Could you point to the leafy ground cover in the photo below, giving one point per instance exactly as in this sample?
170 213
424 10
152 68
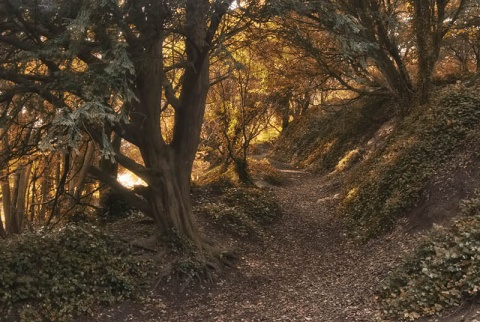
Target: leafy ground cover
55 276
443 273
389 183
322 140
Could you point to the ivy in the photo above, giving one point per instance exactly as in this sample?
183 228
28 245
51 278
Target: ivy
443 273
242 211
59 275
389 183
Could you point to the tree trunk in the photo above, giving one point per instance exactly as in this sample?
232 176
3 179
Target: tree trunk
21 199
81 176
14 192
3 233
45 190
107 166
430 27
170 201
387 56
7 206
241 168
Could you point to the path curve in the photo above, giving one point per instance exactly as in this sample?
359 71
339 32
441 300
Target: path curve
306 269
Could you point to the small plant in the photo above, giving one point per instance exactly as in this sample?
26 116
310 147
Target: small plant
189 270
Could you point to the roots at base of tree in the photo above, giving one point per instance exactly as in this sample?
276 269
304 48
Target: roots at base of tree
188 264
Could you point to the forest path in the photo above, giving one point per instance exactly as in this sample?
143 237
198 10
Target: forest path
306 268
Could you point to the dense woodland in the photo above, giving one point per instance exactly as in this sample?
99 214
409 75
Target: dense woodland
182 111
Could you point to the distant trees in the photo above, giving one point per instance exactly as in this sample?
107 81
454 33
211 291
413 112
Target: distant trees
366 46
432 20
238 111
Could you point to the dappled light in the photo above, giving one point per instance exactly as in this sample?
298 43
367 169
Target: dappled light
239 160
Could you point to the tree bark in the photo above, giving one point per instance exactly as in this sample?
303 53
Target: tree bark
7 206
3 233
430 27
81 176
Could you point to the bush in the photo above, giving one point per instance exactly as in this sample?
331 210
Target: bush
58 275
389 183
443 273
264 170
242 211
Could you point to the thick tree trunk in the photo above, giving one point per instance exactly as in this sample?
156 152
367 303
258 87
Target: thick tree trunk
170 201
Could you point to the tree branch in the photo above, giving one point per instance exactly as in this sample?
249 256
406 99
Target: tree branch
128 194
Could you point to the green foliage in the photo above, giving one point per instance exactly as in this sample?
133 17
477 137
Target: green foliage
260 205
58 275
321 140
442 274
242 211
389 183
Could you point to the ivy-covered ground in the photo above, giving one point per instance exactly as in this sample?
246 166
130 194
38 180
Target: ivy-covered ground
346 243
301 266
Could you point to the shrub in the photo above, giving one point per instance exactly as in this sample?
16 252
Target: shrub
242 211
263 170
58 275
442 274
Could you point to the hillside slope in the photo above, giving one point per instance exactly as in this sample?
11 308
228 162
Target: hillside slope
417 166
424 168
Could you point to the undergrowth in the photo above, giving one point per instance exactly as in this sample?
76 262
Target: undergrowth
242 211
56 276
222 177
443 273
320 140
389 183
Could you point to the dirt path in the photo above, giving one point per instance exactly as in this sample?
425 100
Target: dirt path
305 270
